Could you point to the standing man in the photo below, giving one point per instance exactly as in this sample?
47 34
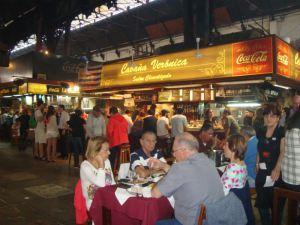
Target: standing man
163 129
128 119
206 139
178 123
192 181
150 122
95 124
40 131
229 123
62 119
117 133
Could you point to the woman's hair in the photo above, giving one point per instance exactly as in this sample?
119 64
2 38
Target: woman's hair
237 144
94 146
50 112
272 108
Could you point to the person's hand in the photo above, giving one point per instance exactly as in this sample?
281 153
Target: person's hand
154 163
100 161
275 174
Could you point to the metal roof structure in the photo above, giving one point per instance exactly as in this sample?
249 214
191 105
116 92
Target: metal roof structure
102 29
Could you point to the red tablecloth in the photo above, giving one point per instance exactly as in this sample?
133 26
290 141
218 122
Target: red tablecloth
135 211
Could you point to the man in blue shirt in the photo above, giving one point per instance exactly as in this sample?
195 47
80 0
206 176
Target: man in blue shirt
139 160
250 156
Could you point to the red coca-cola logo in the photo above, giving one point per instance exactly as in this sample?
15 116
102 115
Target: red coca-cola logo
256 57
252 57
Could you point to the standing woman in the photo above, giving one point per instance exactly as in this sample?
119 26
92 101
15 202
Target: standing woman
270 154
52 133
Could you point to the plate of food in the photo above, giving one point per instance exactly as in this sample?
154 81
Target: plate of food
133 182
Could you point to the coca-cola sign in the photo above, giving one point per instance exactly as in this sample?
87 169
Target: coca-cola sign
283 55
252 57
256 57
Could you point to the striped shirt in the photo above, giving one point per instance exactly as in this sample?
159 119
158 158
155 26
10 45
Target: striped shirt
291 161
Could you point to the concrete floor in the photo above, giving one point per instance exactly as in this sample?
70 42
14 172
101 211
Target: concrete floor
35 192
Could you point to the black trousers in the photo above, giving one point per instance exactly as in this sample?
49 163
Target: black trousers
62 144
113 157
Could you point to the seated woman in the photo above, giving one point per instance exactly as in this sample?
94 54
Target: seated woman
235 175
139 160
95 172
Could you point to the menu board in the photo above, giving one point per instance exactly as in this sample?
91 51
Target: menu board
165 96
186 95
175 95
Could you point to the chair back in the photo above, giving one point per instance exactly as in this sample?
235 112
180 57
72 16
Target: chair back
202 215
244 195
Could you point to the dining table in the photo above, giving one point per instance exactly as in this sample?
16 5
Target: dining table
135 211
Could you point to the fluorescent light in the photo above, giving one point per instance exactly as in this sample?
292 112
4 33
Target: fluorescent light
241 82
281 86
7 96
244 104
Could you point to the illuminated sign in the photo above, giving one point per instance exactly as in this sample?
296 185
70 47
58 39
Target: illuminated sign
245 58
9 90
284 54
35 88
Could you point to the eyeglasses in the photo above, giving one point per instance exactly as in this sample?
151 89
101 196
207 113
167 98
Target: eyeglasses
177 149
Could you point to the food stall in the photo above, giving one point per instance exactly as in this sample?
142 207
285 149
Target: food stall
230 75
28 91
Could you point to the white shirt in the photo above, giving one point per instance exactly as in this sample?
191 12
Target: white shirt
64 118
52 126
178 123
95 126
93 178
129 121
161 126
40 125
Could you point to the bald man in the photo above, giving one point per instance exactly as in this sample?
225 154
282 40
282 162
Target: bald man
192 180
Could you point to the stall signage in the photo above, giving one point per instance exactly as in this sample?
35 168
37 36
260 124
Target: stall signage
54 89
36 88
283 57
9 91
245 58
296 65
252 57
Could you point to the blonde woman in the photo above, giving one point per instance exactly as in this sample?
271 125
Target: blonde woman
95 172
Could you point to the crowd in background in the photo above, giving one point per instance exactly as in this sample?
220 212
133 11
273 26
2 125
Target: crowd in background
263 153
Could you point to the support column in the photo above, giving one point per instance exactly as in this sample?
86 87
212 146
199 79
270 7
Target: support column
189 38
203 21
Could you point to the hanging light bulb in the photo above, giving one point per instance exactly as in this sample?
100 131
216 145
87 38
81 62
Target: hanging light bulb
198 54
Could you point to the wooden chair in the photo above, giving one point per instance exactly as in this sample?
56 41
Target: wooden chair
123 157
293 197
202 215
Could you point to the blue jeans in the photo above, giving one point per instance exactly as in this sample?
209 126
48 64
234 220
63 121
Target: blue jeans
168 222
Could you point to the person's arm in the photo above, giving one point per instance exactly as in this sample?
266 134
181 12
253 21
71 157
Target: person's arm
87 172
155 192
89 126
159 164
103 126
276 171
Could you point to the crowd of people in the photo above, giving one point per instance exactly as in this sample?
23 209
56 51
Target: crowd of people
262 154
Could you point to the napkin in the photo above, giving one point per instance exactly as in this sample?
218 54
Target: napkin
269 182
122 195
123 171
172 201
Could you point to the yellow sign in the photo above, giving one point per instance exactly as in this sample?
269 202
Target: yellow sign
172 67
23 89
238 59
35 88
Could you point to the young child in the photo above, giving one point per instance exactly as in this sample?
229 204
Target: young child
235 175
95 172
